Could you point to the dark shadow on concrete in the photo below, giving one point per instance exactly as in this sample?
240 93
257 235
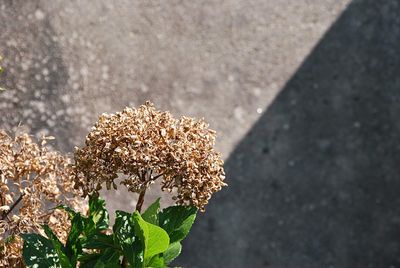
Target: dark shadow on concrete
35 75
316 182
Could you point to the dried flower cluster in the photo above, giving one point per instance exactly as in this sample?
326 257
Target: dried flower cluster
144 144
32 179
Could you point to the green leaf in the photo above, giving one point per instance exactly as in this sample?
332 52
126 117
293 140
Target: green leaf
38 252
177 221
125 237
101 264
157 242
141 233
154 239
109 258
77 226
89 227
60 249
51 236
89 260
99 241
74 245
151 213
172 252
156 262
123 229
98 212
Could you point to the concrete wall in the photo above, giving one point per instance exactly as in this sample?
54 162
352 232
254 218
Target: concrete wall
315 182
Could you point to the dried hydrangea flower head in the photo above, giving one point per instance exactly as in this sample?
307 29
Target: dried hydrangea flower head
32 179
145 144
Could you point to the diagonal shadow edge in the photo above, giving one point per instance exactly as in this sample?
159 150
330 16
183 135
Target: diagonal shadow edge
315 181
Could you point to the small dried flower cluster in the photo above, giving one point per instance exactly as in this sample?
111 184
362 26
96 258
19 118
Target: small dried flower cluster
32 179
145 144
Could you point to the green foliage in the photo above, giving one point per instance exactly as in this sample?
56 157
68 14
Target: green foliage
98 212
154 239
152 212
173 251
177 221
140 241
39 252
59 248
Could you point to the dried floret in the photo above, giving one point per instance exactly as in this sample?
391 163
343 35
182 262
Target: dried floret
32 179
145 144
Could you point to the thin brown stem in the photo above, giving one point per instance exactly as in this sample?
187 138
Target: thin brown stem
140 201
46 214
156 177
13 206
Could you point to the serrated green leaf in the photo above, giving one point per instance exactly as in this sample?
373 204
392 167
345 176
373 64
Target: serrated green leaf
38 252
172 252
151 213
177 221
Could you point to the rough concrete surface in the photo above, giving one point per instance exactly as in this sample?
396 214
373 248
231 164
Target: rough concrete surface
303 93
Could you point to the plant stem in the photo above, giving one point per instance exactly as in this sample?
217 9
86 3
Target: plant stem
140 200
13 206
156 177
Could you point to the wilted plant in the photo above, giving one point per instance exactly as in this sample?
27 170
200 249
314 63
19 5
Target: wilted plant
145 144
133 148
32 178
